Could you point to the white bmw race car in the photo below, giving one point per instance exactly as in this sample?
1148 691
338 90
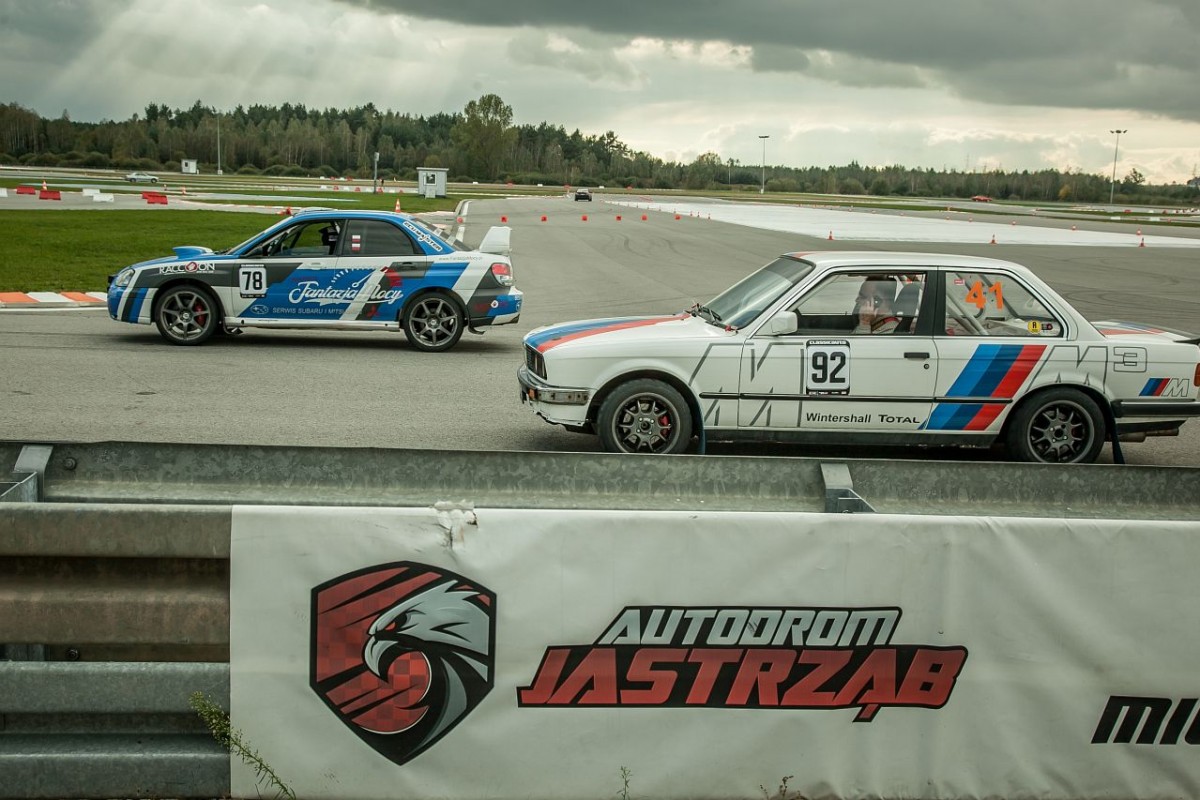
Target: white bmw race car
327 270
868 348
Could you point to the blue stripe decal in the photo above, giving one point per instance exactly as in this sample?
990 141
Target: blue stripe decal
566 329
1151 388
952 416
985 370
133 309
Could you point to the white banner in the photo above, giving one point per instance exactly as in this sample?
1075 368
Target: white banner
509 654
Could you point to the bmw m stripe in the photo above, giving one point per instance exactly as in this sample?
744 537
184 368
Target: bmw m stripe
561 334
994 370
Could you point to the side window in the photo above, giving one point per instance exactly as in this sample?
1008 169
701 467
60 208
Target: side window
992 304
875 302
377 238
303 240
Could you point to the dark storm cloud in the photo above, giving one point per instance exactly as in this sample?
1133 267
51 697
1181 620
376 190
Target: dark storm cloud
1100 54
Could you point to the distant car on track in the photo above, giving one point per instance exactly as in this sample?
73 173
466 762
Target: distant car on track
868 348
141 177
583 194
327 270
981 198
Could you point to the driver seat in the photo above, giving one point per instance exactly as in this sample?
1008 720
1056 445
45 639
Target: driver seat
908 302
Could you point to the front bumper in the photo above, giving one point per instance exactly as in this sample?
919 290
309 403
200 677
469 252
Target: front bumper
562 405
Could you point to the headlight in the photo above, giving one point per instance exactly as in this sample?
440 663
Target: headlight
124 277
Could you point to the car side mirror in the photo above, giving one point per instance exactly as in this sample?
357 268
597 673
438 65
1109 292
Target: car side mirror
782 324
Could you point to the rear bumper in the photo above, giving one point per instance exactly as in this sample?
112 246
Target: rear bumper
1156 409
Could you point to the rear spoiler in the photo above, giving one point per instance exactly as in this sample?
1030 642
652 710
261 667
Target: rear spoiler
497 241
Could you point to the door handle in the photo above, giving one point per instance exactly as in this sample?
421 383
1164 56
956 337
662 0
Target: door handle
917 356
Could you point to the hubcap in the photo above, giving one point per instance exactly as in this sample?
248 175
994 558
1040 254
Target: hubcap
1060 433
433 321
185 314
645 424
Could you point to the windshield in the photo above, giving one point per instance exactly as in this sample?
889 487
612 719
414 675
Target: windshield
741 303
237 248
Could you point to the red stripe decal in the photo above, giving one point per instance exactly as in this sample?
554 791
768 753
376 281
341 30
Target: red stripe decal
1022 365
619 326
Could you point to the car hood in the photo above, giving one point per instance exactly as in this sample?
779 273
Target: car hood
621 330
1136 331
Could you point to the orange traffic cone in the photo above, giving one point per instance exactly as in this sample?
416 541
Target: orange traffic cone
397 208
993 239
44 185
1142 243
831 236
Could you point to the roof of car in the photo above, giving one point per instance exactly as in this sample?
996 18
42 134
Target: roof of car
825 259
341 212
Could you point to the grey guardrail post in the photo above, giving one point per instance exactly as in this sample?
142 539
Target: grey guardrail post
840 496
28 475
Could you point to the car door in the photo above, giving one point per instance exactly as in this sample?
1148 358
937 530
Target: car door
380 257
292 276
836 373
992 331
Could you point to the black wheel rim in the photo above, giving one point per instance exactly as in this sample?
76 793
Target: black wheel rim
645 423
434 322
1061 432
186 315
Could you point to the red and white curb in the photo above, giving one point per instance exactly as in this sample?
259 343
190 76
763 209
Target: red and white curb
52 299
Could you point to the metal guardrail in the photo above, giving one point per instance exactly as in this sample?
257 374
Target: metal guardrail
114 565
110 730
123 472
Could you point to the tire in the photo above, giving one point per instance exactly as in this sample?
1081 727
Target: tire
186 315
433 323
1059 426
645 416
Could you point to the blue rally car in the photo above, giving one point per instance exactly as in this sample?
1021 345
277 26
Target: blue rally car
330 270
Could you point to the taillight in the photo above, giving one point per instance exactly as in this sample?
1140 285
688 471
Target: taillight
502 273
1196 376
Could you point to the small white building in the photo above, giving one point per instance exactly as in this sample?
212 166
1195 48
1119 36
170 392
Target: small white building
431 181
189 166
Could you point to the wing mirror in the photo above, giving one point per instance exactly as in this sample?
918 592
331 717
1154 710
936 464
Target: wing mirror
782 324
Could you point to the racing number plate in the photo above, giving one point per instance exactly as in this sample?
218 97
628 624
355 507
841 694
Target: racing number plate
252 281
828 367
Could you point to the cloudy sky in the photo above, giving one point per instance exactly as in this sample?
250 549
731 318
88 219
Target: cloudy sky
955 84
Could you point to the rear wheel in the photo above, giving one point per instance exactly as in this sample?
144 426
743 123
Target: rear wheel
186 315
433 323
645 416
1059 426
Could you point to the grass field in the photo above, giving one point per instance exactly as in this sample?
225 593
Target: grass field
76 250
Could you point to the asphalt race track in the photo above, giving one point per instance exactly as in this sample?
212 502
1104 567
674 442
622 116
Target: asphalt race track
76 375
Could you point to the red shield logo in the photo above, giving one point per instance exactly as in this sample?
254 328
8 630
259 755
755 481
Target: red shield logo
401 653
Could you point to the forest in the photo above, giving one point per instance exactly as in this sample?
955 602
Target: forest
481 143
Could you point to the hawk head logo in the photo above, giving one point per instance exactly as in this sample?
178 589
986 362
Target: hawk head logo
401 653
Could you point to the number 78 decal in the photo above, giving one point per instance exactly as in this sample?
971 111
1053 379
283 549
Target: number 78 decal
827 367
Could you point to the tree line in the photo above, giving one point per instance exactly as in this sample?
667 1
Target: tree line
482 143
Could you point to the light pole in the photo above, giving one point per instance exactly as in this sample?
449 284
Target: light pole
763 189
1113 187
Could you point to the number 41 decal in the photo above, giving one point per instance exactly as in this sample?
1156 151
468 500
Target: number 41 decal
828 367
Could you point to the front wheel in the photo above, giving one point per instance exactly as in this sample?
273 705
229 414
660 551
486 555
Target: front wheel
645 416
1059 426
186 315
434 323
